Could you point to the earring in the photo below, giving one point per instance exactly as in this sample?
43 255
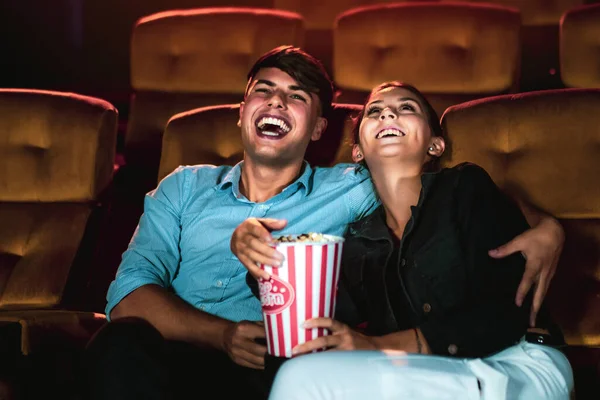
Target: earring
359 155
431 148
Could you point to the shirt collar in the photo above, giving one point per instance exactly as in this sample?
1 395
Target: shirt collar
232 179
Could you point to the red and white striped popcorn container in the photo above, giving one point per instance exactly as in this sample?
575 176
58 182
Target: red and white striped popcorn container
303 287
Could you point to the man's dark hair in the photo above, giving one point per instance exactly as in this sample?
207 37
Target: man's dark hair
304 68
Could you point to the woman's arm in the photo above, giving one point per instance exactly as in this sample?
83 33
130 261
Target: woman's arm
343 337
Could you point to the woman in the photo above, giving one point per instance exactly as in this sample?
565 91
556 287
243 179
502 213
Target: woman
439 312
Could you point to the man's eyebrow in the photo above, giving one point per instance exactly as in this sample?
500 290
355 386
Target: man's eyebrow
291 87
265 82
300 88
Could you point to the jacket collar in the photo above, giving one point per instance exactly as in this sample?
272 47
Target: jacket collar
374 227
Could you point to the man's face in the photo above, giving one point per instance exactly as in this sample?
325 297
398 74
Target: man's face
279 119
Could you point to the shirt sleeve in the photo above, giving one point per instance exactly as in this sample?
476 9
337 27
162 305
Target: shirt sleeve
361 197
152 256
490 321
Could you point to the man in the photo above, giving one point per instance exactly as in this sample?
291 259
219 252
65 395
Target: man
182 316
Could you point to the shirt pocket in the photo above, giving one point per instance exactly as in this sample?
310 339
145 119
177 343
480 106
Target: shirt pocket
438 272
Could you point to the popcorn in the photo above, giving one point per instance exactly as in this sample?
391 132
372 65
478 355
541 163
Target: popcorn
304 237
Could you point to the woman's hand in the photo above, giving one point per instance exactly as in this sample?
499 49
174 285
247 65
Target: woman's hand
342 337
541 246
251 244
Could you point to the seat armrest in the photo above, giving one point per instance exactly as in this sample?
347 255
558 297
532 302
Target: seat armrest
43 329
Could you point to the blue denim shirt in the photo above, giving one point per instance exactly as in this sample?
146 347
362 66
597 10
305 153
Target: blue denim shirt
182 240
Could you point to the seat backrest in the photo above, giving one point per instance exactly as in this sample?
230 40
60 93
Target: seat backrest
57 154
106 51
579 44
184 59
536 12
206 135
462 51
54 146
319 15
544 146
209 135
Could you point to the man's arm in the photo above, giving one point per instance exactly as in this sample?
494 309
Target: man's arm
141 287
541 245
177 320
174 318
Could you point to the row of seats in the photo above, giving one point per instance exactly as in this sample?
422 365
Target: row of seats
85 45
474 51
57 152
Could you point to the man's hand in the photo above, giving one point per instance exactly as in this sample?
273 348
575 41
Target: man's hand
541 246
239 342
251 243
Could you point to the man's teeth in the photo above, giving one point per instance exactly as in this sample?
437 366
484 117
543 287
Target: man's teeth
388 133
274 121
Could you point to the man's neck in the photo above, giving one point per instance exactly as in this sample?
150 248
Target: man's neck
260 182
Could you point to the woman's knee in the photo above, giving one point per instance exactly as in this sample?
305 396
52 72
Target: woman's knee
315 376
296 379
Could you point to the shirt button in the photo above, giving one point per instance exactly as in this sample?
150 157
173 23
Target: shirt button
452 349
426 307
219 283
202 308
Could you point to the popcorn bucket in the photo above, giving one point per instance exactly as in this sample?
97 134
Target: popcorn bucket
303 287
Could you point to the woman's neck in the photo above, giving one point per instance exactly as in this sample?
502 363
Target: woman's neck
260 182
399 189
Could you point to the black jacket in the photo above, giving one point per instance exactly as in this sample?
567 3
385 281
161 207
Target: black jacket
443 281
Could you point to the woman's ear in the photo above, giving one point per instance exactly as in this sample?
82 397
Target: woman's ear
437 146
357 155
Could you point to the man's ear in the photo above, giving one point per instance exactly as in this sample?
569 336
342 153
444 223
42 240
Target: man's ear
357 154
239 123
320 127
437 145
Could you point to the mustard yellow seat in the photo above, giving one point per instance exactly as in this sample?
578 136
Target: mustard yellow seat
56 163
535 12
105 33
540 66
579 44
319 16
184 59
209 135
453 52
545 146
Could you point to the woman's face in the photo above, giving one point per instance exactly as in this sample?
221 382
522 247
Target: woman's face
394 126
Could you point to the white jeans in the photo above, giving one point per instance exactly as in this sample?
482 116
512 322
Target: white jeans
524 371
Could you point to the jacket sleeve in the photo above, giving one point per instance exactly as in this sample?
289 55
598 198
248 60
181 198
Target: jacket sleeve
489 321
